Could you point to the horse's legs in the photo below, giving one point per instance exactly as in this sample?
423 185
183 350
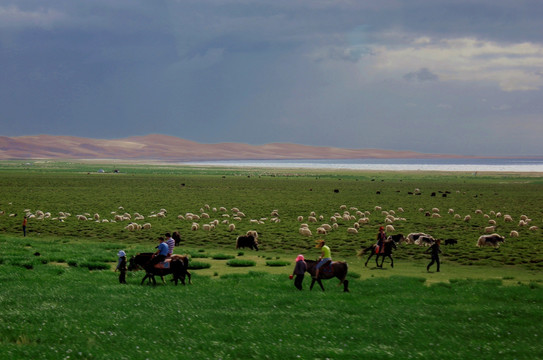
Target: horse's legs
377 260
189 276
369 257
312 283
346 286
320 283
391 261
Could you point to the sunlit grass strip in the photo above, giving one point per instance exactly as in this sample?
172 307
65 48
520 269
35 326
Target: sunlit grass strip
196 265
277 263
240 263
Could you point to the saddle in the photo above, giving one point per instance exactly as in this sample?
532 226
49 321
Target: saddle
327 267
163 265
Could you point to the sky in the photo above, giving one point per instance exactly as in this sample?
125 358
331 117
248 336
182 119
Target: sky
460 77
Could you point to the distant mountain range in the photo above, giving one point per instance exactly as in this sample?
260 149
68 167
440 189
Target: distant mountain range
170 149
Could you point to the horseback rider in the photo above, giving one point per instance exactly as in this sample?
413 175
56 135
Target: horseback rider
160 255
325 257
381 238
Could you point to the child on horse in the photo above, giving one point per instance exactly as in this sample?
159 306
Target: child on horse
381 238
325 257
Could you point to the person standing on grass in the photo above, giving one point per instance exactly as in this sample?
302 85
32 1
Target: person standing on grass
171 244
25 220
299 271
435 249
121 267
326 256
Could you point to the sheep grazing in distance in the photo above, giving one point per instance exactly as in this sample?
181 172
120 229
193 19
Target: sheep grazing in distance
390 228
435 210
507 218
194 226
533 228
490 229
352 231
312 219
252 233
513 233
321 231
146 226
457 216
436 215
300 218
231 227
467 218
305 231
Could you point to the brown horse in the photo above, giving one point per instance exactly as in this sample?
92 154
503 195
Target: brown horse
328 271
178 268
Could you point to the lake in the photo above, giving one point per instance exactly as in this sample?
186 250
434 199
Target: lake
463 165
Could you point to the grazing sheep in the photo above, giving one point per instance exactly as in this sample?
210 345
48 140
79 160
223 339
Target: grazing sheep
312 219
146 226
335 226
204 215
352 231
194 226
252 233
390 228
492 222
533 228
490 229
300 218
305 231
467 218
451 211
321 231
513 233
507 218
435 210
206 227
457 216
231 227
436 215
326 227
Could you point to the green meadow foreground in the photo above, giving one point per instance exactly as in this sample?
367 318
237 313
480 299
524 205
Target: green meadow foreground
61 299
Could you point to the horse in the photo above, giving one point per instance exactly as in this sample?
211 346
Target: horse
328 271
389 245
178 268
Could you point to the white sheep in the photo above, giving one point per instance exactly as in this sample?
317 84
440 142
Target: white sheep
231 227
352 231
490 229
513 233
467 218
305 231
390 228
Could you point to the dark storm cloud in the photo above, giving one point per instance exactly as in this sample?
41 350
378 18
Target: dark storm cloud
272 71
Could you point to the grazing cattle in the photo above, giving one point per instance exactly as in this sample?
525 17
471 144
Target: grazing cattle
426 240
397 238
411 238
451 242
249 241
490 240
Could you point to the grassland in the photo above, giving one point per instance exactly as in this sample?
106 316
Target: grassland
60 297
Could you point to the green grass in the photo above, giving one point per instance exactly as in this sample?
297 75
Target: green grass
60 296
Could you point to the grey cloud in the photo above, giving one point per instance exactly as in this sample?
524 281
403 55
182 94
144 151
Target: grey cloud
422 75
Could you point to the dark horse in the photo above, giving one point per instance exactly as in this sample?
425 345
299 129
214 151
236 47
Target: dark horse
389 245
328 271
178 268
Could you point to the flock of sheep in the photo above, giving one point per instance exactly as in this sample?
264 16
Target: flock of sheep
350 218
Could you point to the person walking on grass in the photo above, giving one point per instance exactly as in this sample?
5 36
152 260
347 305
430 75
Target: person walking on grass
435 250
121 267
299 271
25 220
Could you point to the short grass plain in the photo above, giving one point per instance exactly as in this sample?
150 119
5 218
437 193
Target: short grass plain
61 299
